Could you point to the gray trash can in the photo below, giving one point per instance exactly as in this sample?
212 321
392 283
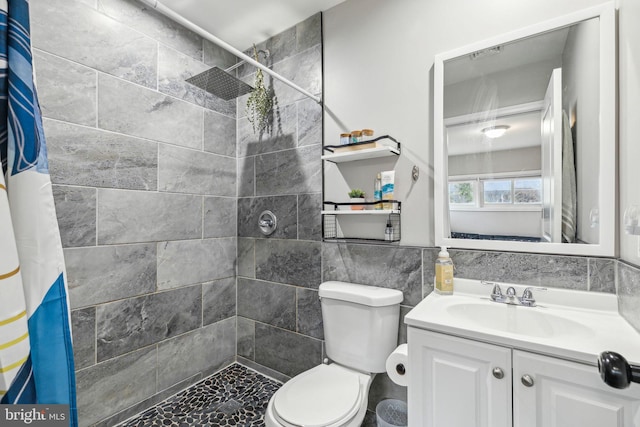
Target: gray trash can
391 413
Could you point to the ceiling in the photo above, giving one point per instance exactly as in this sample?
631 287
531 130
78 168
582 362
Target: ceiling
244 22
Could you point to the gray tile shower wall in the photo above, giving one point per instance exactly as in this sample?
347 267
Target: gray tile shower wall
144 178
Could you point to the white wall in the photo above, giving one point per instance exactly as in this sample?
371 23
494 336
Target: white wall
378 60
629 114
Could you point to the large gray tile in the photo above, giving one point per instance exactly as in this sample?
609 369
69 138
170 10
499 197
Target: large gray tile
246 338
286 352
246 176
429 256
305 70
246 257
629 293
309 313
154 24
106 273
388 267
205 349
309 217
266 302
309 122
109 387
309 32
174 68
76 212
137 216
522 268
187 262
84 156
289 172
216 56
602 275
402 327
218 300
220 217
219 134
115 49
289 261
282 136
283 207
188 171
133 323
149 114
83 323
66 91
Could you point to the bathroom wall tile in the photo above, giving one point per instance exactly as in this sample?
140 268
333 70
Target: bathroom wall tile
76 212
309 313
83 324
266 302
220 217
522 268
131 378
305 70
154 24
138 216
383 388
133 323
283 207
309 217
116 49
188 171
402 328
205 349
289 171
309 32
195 261
106 273
309 122
219 134
429 256
286 352
602 275
388 267
66 91
629 293
246 176
218 300
280 46
246 257
278 376
282 136
216 56
149 114
174 68
84 156
246 338
292 262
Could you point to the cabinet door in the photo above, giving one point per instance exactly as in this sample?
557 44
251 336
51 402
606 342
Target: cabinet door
452 384
568 394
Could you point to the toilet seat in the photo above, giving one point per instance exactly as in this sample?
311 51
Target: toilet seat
323 396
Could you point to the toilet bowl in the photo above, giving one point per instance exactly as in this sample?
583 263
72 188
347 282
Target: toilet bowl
360 328
324 396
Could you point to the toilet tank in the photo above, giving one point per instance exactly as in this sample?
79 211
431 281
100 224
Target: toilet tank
360 324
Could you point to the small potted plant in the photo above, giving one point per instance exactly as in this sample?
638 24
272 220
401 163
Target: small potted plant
356 196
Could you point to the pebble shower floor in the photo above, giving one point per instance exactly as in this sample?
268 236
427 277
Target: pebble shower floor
235 396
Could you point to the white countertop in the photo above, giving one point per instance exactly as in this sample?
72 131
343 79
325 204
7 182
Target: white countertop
573 325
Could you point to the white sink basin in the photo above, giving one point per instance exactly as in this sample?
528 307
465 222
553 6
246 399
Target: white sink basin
574 325
529 321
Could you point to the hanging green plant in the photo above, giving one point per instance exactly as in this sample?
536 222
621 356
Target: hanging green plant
259 103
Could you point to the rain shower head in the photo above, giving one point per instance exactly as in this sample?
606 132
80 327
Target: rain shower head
220 83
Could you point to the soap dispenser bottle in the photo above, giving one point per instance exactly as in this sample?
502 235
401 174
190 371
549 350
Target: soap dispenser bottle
444 273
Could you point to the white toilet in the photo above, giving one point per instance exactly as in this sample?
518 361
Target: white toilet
360 331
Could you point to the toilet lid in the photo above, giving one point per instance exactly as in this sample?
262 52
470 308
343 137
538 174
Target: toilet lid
321 396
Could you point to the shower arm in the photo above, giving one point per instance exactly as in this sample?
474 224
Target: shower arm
226 46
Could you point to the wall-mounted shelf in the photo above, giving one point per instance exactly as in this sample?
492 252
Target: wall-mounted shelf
370 149
373 222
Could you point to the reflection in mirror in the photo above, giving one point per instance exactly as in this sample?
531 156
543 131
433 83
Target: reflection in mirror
521 139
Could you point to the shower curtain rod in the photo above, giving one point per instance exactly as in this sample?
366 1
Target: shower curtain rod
226 46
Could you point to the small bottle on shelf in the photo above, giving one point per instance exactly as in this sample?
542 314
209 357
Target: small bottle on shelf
367 134
444 273
356 136
377 192
388 232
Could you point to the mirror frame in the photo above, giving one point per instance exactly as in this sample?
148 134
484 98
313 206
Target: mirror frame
607 181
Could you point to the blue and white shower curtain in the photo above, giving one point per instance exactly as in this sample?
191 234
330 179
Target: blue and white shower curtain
36 357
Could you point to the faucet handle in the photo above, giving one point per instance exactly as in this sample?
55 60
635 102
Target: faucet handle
527 298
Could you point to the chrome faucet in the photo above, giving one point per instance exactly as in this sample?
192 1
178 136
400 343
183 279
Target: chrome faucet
510 297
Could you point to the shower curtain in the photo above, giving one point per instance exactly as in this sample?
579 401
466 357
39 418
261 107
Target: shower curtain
36 357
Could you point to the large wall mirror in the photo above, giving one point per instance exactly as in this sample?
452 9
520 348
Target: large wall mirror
525 140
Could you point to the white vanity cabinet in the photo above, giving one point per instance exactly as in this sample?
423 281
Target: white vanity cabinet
458 382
